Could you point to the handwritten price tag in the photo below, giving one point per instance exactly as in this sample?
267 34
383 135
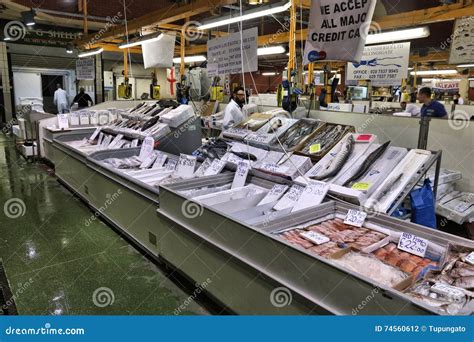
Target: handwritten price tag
171 165
447 290
74 119
95 134
470 258
312 195
275 194
355 218
315 148
216 167
290 198
148 161
186 165
361 186
63 121
315 237
202 168
84 118
147 148
240 177
413 244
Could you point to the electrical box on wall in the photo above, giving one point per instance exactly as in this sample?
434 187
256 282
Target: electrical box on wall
108 79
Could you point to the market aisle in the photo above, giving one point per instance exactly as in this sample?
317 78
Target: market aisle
56 264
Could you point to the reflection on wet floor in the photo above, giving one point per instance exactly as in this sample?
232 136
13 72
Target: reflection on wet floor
57 265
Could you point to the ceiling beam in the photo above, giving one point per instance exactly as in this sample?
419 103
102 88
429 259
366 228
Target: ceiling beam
159 17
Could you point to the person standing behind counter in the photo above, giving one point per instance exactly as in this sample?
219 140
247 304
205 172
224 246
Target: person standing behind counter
233 114
430 107
82 99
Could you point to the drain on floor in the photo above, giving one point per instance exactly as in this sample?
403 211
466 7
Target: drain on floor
7 300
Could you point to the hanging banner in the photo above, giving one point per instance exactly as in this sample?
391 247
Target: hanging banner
226 52
338 30
85 69
462 49
382 64
159 54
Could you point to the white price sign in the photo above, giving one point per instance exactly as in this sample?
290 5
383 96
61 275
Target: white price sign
101 138
355 218
63 121
171 165
216 167
413 244
84 118
290 198
186 165
147 148
240 177
447 290
275 194
312 195
203 167
470 258
134 143
116 140
160 160
148 161
95 134
315 237
74 119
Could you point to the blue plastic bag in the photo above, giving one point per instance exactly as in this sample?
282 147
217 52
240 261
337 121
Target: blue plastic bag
423 205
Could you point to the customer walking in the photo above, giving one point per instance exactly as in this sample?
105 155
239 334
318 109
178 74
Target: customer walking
60 99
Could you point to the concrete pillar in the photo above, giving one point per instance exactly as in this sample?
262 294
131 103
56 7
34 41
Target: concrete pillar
4 73
99 79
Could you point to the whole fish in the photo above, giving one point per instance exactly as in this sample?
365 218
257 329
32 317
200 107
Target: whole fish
274 126
388 186
465 282
368 162
338 161
245 155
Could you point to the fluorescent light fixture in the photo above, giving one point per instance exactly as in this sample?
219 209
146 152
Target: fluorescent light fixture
69 48
247 15
7 38
271 50
154 37
269 73
465 66
434 72
410 68
393 36
89 53
190 59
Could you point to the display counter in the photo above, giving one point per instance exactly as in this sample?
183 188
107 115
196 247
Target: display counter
247 264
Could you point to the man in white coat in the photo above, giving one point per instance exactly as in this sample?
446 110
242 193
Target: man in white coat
60 99
233 114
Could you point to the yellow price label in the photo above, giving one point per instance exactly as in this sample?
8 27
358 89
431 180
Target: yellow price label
361 186
315 148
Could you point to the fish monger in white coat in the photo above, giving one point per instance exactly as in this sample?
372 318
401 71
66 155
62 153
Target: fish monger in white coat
233 114
60 99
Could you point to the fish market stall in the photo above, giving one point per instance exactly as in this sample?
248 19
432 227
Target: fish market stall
324 265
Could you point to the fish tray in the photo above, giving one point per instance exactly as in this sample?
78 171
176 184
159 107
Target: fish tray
317 156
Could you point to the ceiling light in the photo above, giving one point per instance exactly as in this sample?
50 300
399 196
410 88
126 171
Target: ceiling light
190 59
269 73
247 15
465 66
433 72
271 50
90 52
28 17
69 48
393 36
410 68
149 38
